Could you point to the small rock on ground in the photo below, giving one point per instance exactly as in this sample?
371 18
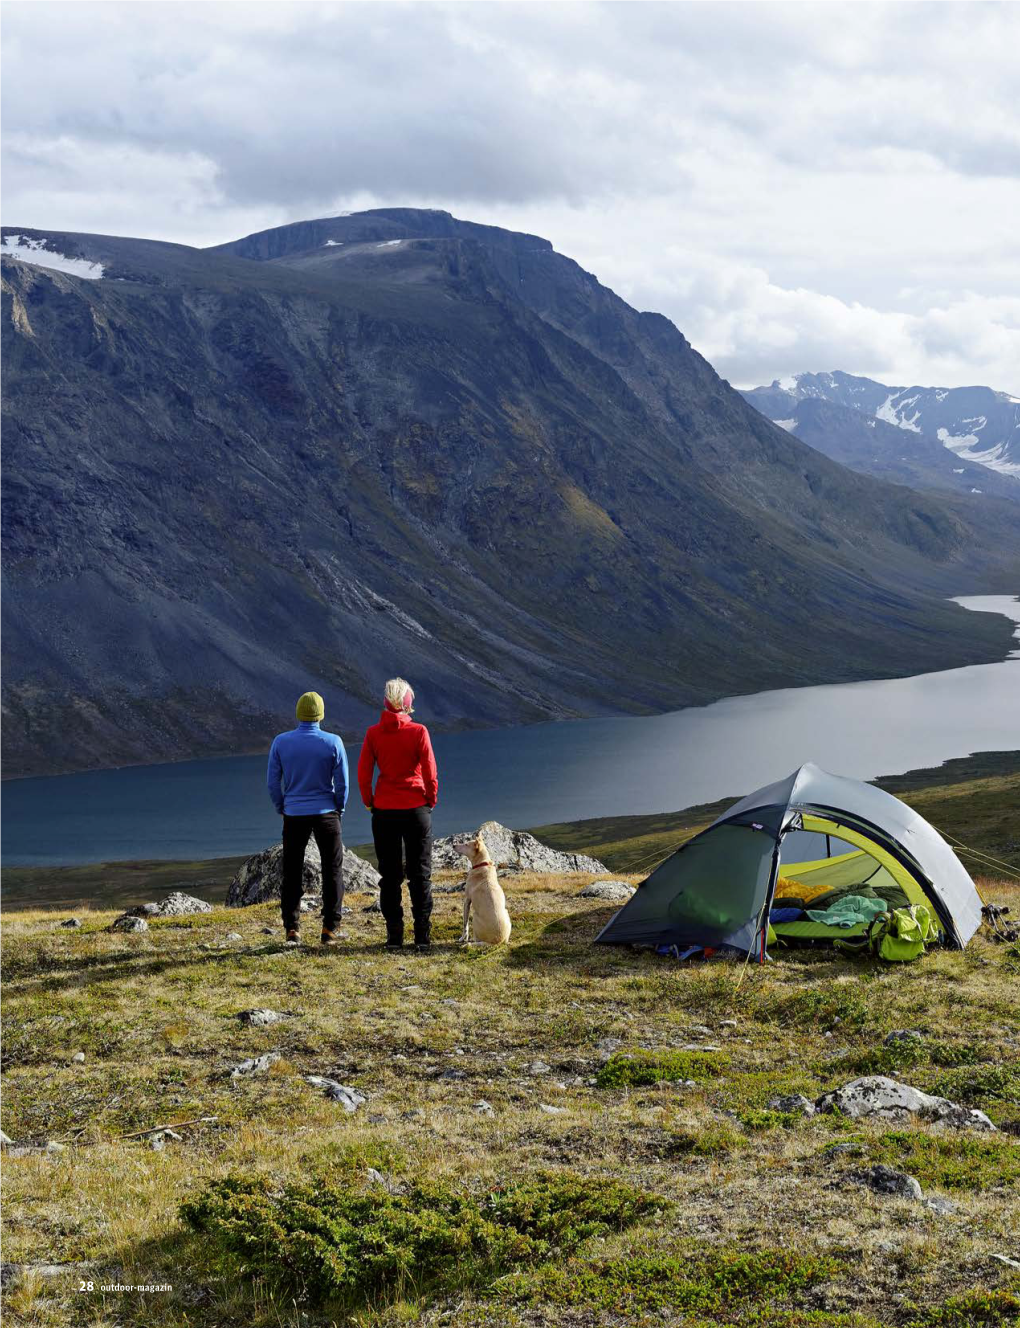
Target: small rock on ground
128 922
257 1065
484 1108
349 1098
550 1110
615 892
903 1035
792 1102
887 1180
260 1018
941 1206
71 922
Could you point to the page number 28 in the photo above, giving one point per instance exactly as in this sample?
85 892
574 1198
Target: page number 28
86 1286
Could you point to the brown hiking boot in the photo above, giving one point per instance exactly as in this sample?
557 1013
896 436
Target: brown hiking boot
293 936
329 936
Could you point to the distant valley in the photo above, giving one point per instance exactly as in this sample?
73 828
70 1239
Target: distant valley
399 442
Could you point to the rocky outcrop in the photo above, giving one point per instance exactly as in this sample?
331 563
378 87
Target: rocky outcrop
173 906
259 879
888 1099
514 851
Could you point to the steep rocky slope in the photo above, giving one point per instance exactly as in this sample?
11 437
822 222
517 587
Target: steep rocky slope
399 442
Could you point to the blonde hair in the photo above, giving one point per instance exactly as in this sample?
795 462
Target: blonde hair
395 691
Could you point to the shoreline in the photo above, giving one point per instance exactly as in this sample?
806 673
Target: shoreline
355 736
126 881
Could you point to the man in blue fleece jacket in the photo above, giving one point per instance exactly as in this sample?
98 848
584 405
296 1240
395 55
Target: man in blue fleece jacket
307 780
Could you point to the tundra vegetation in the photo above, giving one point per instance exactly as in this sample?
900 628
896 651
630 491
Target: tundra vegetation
552 1132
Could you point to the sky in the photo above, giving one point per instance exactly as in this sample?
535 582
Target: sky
799 187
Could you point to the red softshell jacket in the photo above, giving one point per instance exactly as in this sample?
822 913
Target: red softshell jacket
402 750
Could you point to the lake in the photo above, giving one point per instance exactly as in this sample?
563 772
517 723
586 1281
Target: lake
530 776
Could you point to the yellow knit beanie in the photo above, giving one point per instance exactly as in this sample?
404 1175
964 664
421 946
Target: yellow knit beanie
310 706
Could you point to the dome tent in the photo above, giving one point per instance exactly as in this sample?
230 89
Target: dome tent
717 889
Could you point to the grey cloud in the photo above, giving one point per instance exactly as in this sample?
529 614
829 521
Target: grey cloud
800 164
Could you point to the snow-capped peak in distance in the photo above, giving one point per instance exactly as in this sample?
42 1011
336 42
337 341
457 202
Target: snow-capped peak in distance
979 424
34 249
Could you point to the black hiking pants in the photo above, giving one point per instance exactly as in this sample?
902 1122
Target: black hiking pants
403 846
297 830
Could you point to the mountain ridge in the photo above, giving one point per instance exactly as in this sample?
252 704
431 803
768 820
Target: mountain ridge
974 427
448 454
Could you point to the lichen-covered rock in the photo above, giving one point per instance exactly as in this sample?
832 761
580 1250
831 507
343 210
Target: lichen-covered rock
126 922
260 1018
888 1099
514 851
795 1103
349 1098
173 906
887 1180
257 1065
615 892
260 877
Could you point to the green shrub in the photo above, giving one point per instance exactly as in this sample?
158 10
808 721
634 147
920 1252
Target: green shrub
699 1279
820 1006
763 1119
981 1084
909 1054
338 1243
950 1161
990 1309
637 1068
712 1141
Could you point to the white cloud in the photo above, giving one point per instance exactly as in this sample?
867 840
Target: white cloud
797 186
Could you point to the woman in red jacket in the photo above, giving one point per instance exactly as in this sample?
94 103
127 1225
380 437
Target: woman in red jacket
401 806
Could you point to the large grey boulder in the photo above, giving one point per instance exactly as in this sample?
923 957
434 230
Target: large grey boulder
514 851
260 877
173 906
888 1099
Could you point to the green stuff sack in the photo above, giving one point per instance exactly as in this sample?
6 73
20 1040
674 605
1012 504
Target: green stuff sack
897 936
907 931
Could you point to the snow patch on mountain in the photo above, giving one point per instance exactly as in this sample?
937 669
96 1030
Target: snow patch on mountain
31 250
966 446
891 414
785 424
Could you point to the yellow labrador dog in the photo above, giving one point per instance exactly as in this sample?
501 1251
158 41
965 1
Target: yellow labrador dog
482 896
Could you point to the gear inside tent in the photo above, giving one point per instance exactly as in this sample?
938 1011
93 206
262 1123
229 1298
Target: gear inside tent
813 858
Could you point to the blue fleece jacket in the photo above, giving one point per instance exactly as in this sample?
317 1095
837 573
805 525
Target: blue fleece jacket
307 771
